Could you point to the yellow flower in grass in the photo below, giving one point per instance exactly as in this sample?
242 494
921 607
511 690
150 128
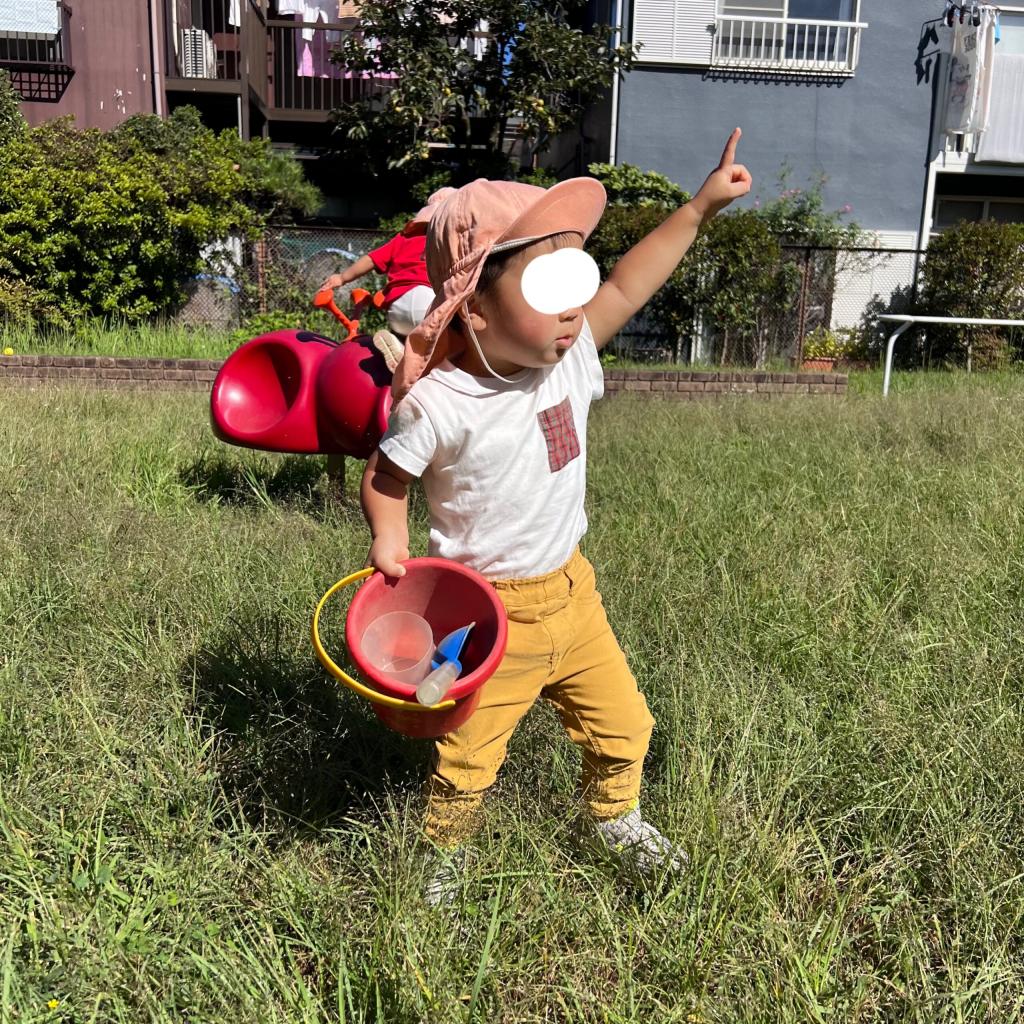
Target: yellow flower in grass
53 1003
8 351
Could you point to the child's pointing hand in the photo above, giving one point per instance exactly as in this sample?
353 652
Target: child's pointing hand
727 182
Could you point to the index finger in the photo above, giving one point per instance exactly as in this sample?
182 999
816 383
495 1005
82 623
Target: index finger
729 153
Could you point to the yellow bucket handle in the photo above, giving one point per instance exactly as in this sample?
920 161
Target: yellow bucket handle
344 677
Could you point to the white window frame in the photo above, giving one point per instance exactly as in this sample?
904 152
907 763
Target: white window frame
986 205
697 33
785 45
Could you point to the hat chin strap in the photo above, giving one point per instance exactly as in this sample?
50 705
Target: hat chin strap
479 350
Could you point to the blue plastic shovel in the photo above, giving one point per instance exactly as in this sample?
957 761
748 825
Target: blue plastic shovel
445 667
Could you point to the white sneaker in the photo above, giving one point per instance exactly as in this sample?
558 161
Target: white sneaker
444 881
638 842
388 345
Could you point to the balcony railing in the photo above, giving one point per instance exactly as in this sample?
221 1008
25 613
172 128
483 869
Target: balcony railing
285 63
302 75
787 44
39 62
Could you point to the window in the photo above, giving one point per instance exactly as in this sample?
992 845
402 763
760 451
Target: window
34 16
1011 31
823 10
800 36
1006 213
815 10
949 212
674 31
797 35
755 8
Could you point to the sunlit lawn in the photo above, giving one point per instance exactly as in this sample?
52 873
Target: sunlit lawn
822 599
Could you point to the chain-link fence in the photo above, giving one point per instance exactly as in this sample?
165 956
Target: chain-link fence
836 289
274 277
277 276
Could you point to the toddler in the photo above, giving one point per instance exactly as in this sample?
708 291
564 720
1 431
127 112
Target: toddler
491 401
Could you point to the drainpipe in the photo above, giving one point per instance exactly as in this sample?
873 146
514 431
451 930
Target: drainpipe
157 51
613 143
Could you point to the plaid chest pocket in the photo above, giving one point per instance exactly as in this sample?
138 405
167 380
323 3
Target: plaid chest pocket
560 435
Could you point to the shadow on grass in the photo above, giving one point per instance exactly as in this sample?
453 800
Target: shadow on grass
260 479
294 749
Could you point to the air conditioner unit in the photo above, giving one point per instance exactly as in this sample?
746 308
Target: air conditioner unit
198 55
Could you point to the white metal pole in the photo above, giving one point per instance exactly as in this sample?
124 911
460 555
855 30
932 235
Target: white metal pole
613 143
156 52
888 354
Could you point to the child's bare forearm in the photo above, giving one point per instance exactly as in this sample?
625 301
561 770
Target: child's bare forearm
649 264
362 266
385 499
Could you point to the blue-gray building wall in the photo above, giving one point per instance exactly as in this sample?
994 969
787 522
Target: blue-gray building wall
869 135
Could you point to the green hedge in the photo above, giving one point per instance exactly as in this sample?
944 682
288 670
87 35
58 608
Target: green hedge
973 270
111 224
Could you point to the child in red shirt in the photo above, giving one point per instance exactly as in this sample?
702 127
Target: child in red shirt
407 293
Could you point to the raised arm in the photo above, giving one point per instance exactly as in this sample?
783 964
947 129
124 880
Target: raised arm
385 498
649 264
363 265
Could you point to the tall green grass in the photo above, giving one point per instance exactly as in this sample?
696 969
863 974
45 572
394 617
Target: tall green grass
105 338
822 600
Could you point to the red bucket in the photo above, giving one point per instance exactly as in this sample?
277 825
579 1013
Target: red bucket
448 595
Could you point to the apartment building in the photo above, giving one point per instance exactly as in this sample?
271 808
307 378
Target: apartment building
260 67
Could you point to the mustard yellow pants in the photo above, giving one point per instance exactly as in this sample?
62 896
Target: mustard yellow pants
560 647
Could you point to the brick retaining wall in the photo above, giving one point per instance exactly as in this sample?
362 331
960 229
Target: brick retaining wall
689 384
198 375
111 372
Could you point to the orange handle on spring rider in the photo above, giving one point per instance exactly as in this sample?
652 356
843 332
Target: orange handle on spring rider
324 299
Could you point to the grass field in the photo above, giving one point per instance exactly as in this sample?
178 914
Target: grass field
823 601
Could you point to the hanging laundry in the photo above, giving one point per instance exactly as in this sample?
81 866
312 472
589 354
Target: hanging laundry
1003 140
234 13
286 8
313 45
969 84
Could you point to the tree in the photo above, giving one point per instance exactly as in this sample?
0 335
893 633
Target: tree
537 67
12 121
112 224
973 270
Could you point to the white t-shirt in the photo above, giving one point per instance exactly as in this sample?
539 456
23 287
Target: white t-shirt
503 464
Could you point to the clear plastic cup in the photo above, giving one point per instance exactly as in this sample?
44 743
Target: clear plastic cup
399 645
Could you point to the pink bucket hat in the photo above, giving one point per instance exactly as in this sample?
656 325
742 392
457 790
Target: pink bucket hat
435 200
466 227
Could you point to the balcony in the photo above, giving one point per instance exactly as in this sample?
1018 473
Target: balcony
304 84
39 61
282 64
787 45
204 49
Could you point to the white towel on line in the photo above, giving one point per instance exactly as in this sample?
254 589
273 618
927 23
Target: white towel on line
1003 141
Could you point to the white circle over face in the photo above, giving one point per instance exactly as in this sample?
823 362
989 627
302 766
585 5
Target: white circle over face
560 280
